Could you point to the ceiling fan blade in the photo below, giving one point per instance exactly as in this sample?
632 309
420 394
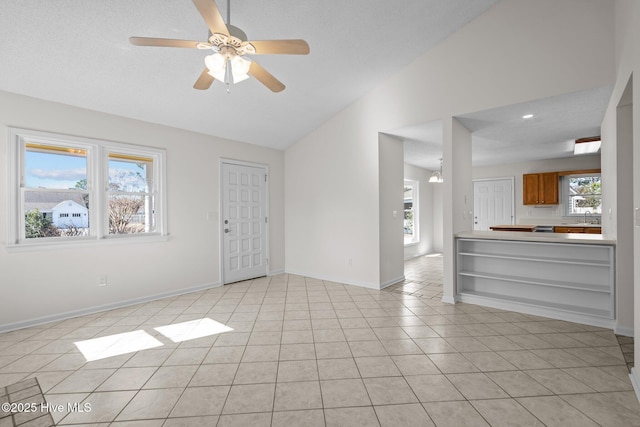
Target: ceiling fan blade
291 47
265 77
152 41
204 81
211 15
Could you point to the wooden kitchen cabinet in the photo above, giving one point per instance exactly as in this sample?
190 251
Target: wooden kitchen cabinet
540 188
568 229
559 229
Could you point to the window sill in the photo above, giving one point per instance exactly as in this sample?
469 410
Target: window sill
85 243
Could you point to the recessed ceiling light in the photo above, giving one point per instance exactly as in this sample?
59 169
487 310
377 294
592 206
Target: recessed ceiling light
527 116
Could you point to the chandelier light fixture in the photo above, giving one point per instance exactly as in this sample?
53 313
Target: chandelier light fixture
436 176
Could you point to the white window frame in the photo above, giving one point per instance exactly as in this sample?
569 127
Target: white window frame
567 196
416 212
97 187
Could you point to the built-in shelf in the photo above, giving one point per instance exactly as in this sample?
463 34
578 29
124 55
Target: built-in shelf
552 283
563 280
539 259
535 303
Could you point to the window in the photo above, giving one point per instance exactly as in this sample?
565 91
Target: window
130 196
411 234
584 194
66 189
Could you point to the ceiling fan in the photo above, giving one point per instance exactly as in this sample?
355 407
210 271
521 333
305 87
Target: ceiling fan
229 45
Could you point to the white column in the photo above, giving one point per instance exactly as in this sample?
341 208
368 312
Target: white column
457 197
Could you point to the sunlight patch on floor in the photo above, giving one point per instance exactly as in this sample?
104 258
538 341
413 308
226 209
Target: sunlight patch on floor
192 329
115 345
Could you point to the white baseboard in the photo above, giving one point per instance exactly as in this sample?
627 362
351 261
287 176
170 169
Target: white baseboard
407 258
635 381
367 285
537 311
275 272
99 308
448 300
392 282
624 331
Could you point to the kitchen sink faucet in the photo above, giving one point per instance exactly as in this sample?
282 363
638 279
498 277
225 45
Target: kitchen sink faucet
585 216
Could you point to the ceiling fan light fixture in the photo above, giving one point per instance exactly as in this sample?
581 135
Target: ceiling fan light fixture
217 66
229 43
239 68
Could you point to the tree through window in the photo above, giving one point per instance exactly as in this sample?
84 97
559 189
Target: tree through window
411 212
584 194
65 188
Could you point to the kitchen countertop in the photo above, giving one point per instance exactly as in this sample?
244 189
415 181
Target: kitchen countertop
514 227
577 224
588 239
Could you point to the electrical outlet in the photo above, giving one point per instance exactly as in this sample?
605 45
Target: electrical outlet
102 280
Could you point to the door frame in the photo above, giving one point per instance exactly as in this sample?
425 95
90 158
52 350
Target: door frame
513 194
235 162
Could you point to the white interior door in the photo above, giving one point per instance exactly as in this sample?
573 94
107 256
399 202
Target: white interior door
492 203
244 222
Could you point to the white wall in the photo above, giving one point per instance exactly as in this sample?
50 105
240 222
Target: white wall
526 214
391 210
438 218
459 206
44 283
627 50
518 50
332 202
425 211
619 155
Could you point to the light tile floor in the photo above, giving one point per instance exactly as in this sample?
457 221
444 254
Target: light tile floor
306 352
423 278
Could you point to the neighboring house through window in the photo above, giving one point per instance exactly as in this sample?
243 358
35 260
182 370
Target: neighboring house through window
65 188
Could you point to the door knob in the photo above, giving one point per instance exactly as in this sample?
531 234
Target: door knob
227 230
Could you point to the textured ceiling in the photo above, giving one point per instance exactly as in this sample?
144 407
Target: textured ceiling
77 52
501 135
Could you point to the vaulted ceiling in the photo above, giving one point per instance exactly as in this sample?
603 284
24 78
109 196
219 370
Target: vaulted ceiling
502 135
77 52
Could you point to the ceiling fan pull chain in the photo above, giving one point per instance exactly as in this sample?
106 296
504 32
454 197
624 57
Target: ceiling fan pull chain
228 75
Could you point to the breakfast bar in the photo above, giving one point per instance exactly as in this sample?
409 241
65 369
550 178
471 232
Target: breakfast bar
559 275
